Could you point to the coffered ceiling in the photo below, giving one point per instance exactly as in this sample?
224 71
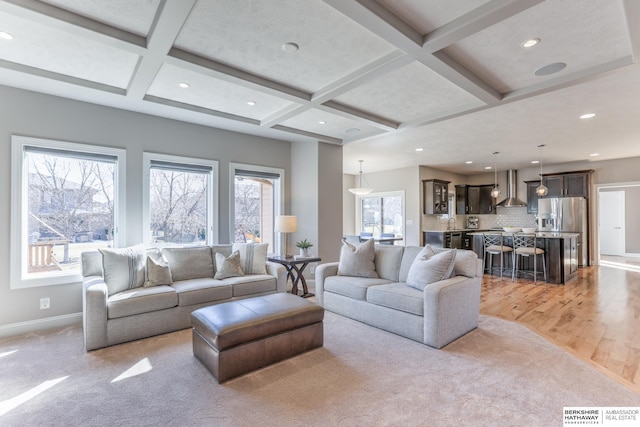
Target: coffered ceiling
381 77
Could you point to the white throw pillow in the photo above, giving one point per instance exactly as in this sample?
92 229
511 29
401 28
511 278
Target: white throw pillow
228 266
158 272
427 268
358 260
253 257
123 268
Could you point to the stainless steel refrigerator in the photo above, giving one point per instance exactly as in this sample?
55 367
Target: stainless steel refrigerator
569 215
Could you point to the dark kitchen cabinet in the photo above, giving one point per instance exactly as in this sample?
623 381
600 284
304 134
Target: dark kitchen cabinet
532 196
569 184
436 196
474 199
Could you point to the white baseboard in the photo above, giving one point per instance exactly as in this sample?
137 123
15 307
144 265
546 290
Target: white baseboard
632 255
37 325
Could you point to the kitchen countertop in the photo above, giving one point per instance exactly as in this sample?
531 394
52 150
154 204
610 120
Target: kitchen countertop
545 234
451 231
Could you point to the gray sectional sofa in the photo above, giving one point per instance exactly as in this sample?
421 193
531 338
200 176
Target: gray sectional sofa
436 316
121 303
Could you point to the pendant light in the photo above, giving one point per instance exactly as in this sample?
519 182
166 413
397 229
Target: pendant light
495 193
541 190
360 190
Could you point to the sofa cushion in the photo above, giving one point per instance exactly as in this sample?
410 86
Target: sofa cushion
398 296
352 287
158 271
228 266
141 300
123 268
189 263
253 257
198 291
428 268
358 260
252 284
465 264
388 259
409 254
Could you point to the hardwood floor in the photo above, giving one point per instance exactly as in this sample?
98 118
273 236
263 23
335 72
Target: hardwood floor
596 316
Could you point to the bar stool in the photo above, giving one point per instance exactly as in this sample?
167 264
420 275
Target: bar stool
494 245
524 245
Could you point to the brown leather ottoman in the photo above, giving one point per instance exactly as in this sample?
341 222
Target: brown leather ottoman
237 337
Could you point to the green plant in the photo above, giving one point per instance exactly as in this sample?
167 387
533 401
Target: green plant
304 244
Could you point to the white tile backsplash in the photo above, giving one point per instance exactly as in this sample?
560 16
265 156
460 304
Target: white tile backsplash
515 217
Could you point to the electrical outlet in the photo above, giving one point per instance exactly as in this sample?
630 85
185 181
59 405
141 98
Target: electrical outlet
45 303
312 270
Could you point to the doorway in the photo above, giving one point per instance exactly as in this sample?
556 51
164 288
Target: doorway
611 224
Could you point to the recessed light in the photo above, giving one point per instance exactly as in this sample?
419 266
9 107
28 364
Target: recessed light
487 167
531 43
352 130
5 35
594 154
587 116
535 162
252 103
468 162
290 47
550 69
183 85
419 149
323 122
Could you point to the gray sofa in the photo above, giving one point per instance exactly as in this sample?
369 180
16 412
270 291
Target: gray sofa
444 311
112 317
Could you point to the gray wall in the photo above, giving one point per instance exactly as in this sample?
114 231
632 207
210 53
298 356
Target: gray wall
32 114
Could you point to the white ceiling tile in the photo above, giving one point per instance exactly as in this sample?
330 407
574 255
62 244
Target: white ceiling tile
580 33
38 46
214 94
391 97
425 16
135 17
336 126
249 35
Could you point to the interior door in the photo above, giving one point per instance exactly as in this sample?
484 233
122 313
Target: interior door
611 214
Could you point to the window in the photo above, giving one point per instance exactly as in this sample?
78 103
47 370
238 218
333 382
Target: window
65 199
180 199
256 202
381 213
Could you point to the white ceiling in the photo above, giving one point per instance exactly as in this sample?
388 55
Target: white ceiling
386 76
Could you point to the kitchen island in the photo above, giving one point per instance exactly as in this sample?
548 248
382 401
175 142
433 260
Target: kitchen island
561 254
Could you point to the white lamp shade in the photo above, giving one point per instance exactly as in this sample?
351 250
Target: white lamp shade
286 224
360 191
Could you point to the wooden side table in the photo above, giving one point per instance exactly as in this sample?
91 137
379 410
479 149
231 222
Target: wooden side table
295 266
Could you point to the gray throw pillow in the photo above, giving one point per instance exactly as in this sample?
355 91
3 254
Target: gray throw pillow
228 266
194 262
427 268
253 257
158 272
358 260
123 268
466 262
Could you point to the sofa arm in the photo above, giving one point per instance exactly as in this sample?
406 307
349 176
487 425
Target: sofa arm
94 312
451 309
322 272
280 273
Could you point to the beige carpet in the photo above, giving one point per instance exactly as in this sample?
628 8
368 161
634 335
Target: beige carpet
501 374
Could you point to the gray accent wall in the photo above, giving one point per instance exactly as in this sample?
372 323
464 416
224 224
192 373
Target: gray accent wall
44 116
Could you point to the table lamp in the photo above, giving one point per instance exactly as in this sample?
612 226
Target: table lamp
286 224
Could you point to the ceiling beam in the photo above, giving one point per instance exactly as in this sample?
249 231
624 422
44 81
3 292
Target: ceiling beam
198 109
632 12
169 19
318 136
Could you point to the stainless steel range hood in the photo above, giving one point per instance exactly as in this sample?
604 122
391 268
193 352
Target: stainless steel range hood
512 192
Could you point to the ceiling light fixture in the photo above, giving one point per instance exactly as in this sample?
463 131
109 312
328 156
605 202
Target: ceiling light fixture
323 122
468 162
530 43
290 47
488 167
419 149
550 69
183 85
359 190
495 192
594 154
252 103
5 35
535 162
541 190
587 116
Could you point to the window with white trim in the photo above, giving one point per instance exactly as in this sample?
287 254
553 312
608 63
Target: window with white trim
381 214
66 198
180 200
